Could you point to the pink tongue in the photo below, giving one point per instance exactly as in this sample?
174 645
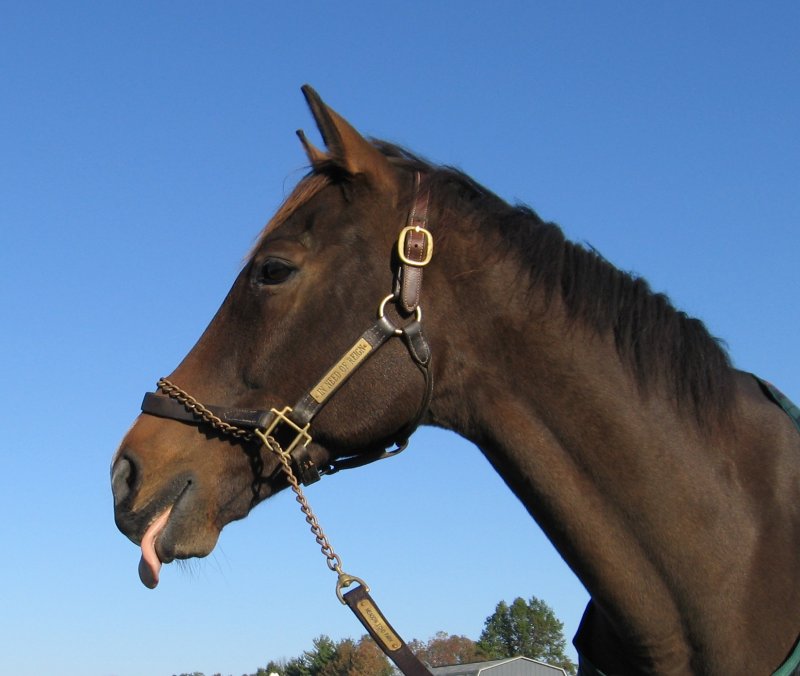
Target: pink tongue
150 564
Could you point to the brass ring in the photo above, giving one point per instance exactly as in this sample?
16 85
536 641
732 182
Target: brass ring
391 296
383 304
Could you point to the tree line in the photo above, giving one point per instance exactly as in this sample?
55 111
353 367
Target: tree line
528 628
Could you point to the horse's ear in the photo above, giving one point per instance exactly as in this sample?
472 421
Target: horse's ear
315 155
346 147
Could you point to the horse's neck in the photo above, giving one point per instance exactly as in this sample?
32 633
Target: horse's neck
539 416
629 491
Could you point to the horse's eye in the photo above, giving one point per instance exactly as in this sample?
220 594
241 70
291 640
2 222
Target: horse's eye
275 271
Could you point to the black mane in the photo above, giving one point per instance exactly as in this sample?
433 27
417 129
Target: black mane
659 343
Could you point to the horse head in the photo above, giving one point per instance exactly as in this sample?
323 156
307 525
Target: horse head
323 323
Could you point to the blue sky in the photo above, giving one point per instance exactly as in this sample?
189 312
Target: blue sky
144 145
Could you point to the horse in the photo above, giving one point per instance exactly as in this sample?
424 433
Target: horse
668 480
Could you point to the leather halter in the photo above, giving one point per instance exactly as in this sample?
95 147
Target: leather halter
292 423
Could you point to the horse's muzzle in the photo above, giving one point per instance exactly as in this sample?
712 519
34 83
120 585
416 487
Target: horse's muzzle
132 519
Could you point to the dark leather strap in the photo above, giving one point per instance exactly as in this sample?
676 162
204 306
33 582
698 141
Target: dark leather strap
415 248
166 407
309 404
388 640
417 344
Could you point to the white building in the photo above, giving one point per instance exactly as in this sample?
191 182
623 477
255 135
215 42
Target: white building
510 666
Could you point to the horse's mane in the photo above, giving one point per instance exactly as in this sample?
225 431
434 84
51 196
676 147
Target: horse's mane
660 344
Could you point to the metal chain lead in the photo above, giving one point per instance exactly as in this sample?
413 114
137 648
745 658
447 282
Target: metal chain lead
332 559
344 580
175 392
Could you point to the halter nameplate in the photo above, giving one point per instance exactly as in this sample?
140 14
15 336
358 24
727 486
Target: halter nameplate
334 378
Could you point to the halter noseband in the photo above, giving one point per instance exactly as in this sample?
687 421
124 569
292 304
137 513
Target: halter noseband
290 425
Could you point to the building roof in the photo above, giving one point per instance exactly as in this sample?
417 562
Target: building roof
511 666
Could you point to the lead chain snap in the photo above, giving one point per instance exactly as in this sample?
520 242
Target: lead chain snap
344 581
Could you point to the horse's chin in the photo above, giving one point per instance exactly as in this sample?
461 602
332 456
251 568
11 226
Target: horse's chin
177 543
182 517
178 529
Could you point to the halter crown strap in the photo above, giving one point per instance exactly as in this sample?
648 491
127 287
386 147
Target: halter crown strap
414 248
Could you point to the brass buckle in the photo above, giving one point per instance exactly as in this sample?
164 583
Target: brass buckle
401 245
301 433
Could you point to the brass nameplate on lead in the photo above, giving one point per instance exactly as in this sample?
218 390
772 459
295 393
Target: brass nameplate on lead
339 373
376 622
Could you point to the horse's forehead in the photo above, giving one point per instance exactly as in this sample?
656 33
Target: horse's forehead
298 200
318 200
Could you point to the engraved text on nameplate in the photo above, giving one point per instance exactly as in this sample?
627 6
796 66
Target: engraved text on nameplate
339 373
376 622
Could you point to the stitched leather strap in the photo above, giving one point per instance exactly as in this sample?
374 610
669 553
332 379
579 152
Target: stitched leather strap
310 403
166 407
388 640
416 248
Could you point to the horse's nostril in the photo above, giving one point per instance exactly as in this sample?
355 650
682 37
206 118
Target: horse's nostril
124 476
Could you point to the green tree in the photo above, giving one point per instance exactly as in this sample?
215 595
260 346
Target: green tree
344 658
530 629
312 662
272 667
